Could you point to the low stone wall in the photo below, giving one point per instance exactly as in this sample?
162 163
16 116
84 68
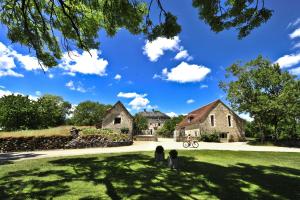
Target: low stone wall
11 144
145 138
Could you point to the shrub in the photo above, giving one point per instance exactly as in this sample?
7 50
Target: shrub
210 137
125 130
107 133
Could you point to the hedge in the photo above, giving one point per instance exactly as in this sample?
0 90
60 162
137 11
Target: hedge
11 144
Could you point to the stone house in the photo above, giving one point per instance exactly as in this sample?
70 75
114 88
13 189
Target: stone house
156 120
214 117
118 118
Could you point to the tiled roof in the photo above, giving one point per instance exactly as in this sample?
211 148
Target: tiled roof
198 115
154 114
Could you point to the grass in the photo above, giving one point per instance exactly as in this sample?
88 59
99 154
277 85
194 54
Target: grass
203 175
61 130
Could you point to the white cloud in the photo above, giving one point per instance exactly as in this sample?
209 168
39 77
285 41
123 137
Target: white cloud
172 114
185 73
51 76
78 87
295 71
130 95
30 63
38 93
85 63
294 23
118 77
297 45
138 101
288 60
7 92
7 63
156 48
183 54
203 86
190 101
246 116
8 57
295 34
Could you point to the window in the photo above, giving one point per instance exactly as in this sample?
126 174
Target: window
212 120
190 119
158 124
229 120
117 120
223 135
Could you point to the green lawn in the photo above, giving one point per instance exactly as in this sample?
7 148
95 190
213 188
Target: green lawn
203 175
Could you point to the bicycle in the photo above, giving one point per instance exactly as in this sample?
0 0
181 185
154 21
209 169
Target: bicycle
193 143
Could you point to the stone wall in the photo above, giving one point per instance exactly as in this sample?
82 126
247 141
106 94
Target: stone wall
126 120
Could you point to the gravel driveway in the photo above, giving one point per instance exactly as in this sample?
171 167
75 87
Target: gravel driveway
141 146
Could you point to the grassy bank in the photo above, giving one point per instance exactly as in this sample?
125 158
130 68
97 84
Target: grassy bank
61 130
203 175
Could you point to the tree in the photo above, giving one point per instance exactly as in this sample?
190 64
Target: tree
140 123
17 112
39 24
89 113
169 126
271 96
52 110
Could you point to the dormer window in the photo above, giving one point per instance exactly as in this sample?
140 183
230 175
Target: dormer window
190 119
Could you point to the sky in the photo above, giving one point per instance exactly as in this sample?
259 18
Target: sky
174 76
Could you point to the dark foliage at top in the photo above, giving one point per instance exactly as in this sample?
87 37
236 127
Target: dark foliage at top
38 23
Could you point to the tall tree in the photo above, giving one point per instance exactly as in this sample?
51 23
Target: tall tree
140 123
89 113
17 112
38 24
52 110
271 96
169 126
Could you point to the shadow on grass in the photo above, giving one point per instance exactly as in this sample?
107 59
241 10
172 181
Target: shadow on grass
136 176
8 158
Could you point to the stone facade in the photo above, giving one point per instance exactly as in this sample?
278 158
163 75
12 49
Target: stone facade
215 117
118 118
156 120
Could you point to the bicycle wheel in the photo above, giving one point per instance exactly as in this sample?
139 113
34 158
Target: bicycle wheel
186 144
195 144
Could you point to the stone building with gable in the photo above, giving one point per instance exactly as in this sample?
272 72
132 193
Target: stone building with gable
213 117
156 120
118 118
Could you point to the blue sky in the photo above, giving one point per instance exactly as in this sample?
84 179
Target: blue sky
176 75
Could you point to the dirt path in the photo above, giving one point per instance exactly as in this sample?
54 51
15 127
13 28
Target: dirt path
140 146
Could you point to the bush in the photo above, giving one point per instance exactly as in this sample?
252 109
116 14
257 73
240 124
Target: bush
125 130
107 133
209 137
